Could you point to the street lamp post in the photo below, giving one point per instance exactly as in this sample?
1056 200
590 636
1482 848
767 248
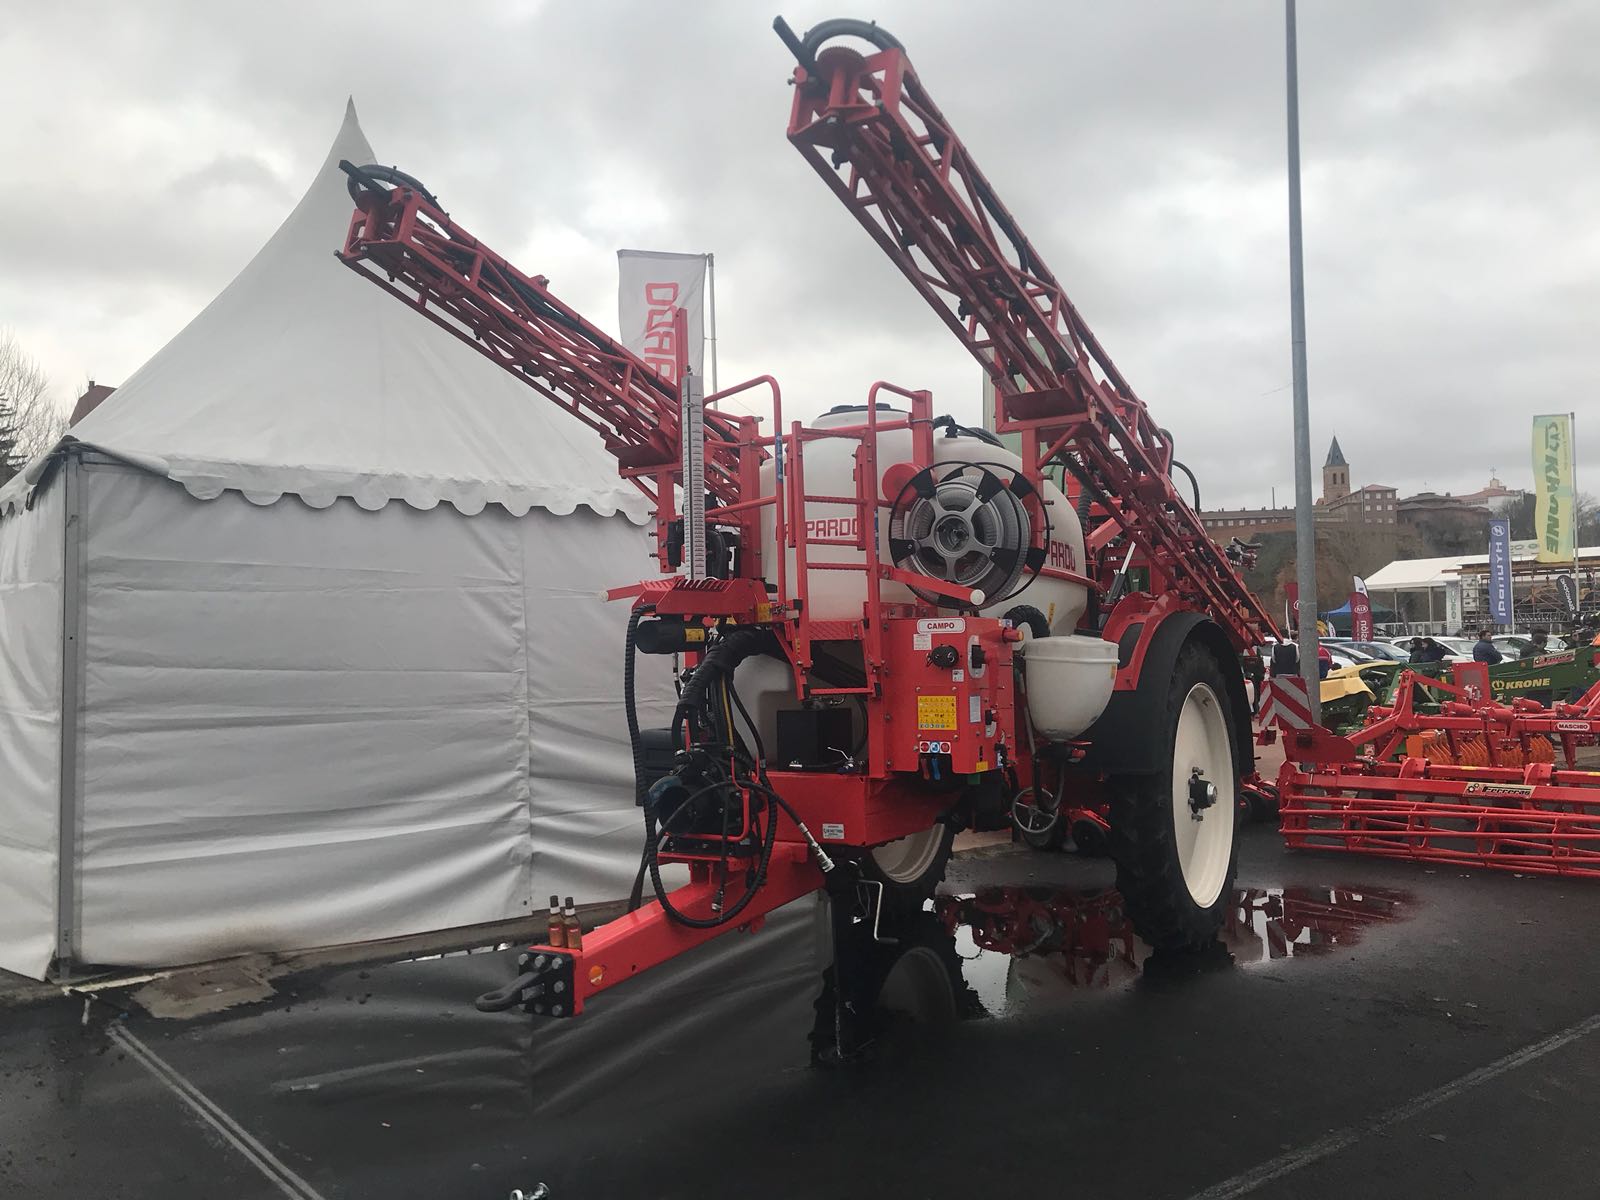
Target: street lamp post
1305 528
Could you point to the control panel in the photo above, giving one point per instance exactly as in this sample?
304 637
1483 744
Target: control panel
952 711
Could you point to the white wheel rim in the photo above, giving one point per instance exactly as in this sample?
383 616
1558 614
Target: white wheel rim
910 858
1204 839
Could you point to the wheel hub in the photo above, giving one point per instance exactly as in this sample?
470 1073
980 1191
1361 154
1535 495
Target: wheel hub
1202 793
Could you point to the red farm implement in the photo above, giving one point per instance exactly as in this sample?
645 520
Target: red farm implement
856 578
1477 782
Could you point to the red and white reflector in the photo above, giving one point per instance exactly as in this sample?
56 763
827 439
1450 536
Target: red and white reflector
1284 703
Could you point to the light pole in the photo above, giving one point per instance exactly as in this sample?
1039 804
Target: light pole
1305 525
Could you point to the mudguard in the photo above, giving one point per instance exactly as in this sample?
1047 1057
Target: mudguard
1119 742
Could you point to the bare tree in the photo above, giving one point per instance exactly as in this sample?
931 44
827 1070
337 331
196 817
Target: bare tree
34 419
11 459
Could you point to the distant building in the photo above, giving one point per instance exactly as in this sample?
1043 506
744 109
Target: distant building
1335 474
1224 524
1340 506
1495 497
1373 504
1431 507
94 395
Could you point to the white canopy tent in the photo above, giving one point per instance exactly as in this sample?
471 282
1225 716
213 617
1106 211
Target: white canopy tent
301 639
1453 590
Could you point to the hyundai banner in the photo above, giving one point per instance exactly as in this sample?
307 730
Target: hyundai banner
1500 572
651 286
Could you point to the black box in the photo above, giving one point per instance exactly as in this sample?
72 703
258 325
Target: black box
813 737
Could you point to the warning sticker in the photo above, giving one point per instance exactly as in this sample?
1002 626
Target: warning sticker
936 712
832 832
975 710
922 641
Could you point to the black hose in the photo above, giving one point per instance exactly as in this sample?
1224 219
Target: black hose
630 709
867 31
1193 482
1085 503
1027 614
953 429
652 855
719 662
393 176
630 704
755 731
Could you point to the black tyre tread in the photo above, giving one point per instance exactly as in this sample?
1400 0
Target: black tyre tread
917 930
1148 873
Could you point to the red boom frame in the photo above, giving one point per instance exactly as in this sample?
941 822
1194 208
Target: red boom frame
872 132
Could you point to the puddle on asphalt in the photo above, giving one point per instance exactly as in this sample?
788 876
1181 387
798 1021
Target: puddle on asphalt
1002 951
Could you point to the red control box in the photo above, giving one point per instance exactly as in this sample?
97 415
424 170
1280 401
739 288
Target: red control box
950 695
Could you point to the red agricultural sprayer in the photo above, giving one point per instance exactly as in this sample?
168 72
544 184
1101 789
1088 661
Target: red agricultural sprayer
891 625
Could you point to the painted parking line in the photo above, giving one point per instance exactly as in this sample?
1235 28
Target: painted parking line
1275 1168
231 1131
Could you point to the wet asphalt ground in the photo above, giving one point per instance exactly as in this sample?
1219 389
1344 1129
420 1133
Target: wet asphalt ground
1367 1029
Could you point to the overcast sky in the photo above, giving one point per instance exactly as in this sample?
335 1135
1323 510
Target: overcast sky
1452 192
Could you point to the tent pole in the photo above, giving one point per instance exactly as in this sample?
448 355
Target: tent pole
72 620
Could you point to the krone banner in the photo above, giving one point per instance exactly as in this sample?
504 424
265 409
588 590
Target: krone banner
1553 519
651 286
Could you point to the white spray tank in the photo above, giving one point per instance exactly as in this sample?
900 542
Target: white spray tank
1068 676
830 466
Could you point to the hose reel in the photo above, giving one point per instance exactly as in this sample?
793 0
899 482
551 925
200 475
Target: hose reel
963 524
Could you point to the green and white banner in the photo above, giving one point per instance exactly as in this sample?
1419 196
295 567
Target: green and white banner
1553 518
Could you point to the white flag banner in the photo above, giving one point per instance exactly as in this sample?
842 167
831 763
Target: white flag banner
651 285
1361 584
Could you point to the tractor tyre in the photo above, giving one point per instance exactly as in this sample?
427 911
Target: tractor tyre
911 867
1173 831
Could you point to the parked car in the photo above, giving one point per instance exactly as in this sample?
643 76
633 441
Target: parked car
1460 648
1517 645
1456 649
1349 656
1343 654
1374 650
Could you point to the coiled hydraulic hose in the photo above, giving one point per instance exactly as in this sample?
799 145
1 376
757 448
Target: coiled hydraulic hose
653 858
630 703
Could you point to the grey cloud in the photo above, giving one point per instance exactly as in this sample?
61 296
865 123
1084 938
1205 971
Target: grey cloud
1451 177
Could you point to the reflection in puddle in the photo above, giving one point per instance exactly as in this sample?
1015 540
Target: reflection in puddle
1001 950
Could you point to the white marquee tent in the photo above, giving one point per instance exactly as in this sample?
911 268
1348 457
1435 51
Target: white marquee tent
301 639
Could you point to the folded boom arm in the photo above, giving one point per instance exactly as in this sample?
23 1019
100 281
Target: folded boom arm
872 132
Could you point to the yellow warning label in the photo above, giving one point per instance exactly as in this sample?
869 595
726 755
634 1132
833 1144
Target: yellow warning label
936 712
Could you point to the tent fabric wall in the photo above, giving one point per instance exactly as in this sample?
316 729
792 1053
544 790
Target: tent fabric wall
343 670
305 727
580 758
30 731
